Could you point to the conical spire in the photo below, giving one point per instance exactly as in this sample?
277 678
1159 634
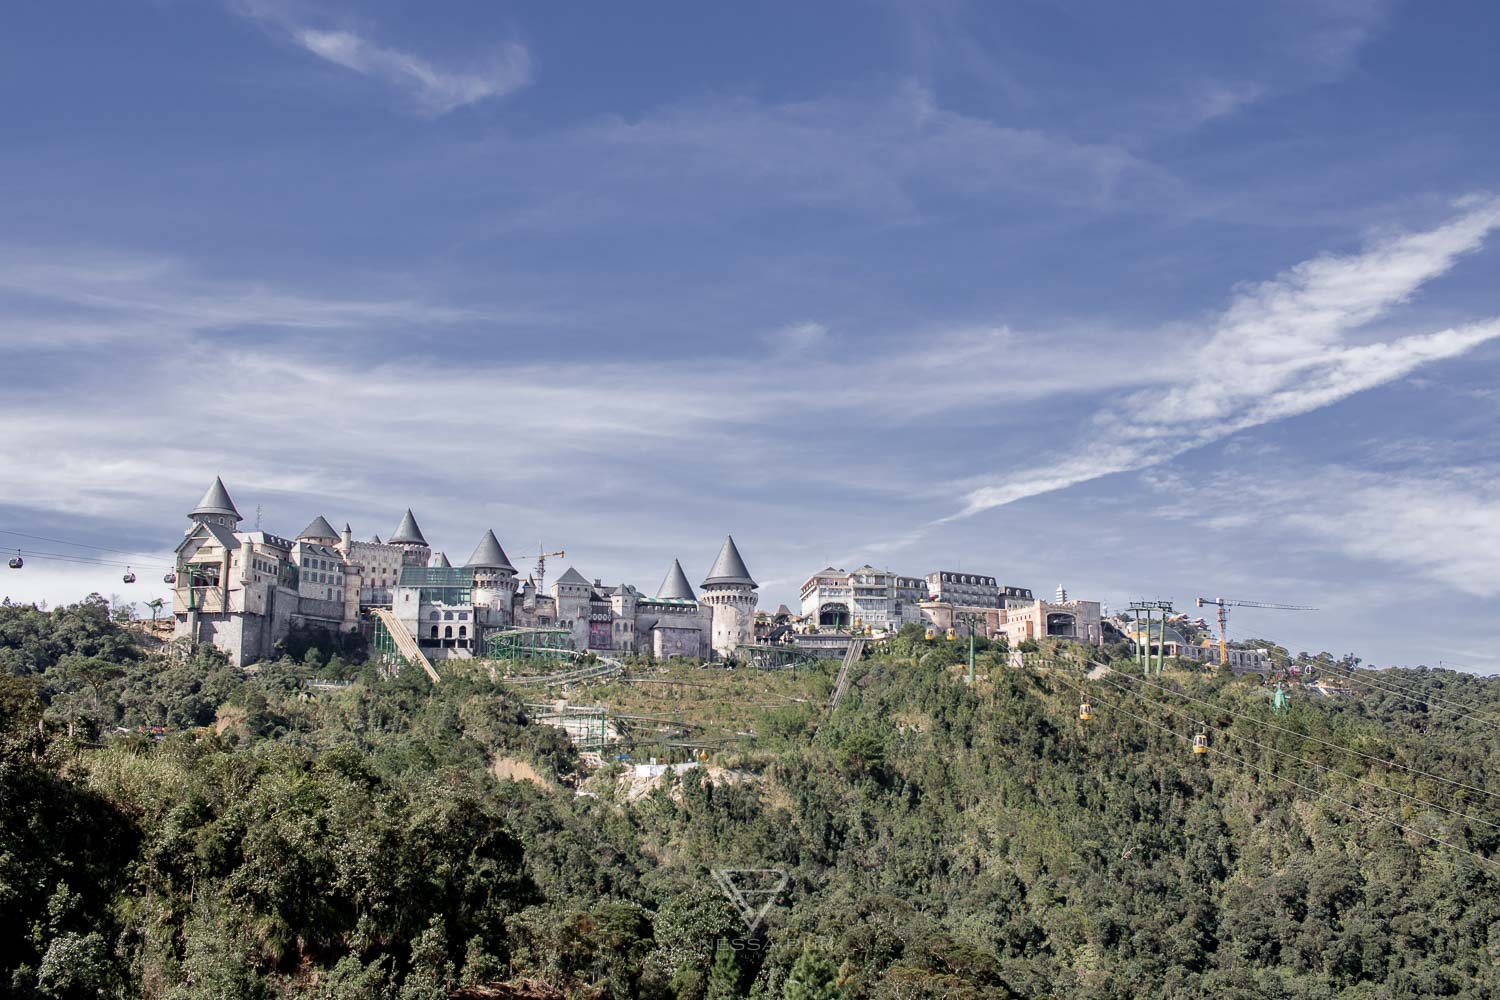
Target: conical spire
729 568
441 562
676 587
489 554
407 532
318 530
216 501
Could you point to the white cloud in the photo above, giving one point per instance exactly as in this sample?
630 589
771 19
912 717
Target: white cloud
1438 523
435 90
1281 349
88 297
797 338
432 89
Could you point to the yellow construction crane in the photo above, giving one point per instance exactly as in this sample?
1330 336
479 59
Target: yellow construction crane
541 565
1224 604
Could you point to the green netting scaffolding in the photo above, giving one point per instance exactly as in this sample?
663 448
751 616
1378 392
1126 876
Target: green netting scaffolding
553 644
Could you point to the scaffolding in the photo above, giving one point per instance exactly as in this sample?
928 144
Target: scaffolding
553 644
768 657
588 726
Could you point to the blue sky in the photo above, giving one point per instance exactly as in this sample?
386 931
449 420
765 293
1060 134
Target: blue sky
1194 299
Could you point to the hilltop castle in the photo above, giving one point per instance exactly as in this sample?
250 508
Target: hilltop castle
244 591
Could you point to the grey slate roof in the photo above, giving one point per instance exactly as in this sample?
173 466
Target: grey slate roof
729 567
574 577
320 528
442 561
675 586
407 531
489 554
216 501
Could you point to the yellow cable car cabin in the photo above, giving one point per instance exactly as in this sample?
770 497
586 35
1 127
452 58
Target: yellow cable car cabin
1200 743
1085 712
951 635
931 633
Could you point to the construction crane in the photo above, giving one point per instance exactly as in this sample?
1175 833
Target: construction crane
1224 604
541 565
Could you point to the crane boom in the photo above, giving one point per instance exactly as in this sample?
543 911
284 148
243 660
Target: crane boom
1224 604
541 565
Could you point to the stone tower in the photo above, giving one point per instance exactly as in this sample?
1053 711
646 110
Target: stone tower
494 578
730 592
216 508
408 537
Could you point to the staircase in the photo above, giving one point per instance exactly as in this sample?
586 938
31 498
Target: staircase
851 656
406 645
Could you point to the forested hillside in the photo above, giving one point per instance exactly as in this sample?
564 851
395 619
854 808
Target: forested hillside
282 839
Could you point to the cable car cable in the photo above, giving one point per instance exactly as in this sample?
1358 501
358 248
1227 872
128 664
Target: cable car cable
1322 795
64 541
1321 767
1466 710
1315 739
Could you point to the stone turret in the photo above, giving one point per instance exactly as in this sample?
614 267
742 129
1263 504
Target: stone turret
408 537
494 578
675 586
730 591
319 531
216 508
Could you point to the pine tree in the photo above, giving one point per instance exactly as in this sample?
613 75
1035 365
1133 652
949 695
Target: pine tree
811 978
724 977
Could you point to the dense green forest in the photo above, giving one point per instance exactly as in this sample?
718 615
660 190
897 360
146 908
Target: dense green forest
277 838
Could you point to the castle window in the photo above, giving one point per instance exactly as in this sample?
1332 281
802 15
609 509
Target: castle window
447 616
448 632
434 617
434 631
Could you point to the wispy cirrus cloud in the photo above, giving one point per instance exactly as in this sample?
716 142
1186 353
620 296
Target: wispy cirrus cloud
1283 348
1440 523
429 87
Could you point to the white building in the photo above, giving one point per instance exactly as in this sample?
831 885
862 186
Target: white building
834 598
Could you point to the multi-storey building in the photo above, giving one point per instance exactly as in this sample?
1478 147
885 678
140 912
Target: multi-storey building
834 598
245 591
967 589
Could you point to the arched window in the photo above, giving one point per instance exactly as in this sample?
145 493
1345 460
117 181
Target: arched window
447 616
434 631
434 617
448 632
463 631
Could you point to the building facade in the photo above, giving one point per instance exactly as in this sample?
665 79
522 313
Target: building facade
972 590
880 599
244 592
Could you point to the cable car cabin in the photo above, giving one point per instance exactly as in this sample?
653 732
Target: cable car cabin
1200 743
129 577
931 634
16 562
951 635
1085 712
169 578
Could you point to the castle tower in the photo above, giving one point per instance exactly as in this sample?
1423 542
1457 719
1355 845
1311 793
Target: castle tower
320 531
440 561
730 592
675 586
216 508
408 537
494 577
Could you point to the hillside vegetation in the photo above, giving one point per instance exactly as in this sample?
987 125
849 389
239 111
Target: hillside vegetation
282 839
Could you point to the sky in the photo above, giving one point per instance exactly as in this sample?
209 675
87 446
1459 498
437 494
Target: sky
1151 301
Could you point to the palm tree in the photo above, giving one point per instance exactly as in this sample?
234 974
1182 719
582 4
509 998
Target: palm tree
155 604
